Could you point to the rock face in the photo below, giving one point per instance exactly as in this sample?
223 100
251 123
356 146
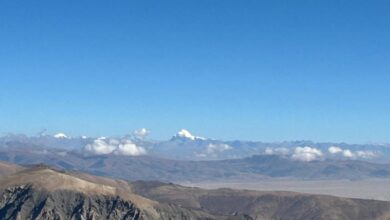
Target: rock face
23 202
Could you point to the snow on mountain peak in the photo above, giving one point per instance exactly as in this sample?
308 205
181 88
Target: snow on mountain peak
60 136
183 133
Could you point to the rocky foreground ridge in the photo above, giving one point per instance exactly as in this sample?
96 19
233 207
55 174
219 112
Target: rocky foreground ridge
41 192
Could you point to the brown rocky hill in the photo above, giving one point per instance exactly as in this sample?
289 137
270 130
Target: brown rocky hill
41 192
7 169
44 193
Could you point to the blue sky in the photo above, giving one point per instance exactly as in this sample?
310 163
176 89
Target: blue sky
253 70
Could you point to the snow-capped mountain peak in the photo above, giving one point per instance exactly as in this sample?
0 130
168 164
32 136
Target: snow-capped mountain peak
185 134
60 136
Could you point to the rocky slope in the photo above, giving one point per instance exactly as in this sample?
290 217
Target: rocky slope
6 169
41 192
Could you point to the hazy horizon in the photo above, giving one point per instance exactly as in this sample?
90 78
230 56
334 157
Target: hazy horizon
150 137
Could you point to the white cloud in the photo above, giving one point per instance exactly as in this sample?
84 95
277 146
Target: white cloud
141 133
269 151
334 150
108 146
366 154
100 146
217 148
129 148
113 142
306 154
348 154
312 153
277 151
212 150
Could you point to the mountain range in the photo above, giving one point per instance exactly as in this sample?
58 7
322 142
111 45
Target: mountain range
185 146
160 169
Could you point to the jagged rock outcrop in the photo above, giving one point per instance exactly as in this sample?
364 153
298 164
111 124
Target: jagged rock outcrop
24 202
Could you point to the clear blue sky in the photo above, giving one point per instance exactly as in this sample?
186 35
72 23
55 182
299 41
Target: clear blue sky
248 69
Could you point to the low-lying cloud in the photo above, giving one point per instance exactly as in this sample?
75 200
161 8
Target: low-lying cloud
306 154
213 150
347 153
129 148
217 148
102 146
277 151
335 150
366 154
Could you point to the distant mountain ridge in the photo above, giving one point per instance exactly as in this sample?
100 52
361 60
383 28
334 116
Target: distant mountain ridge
186 146
153 168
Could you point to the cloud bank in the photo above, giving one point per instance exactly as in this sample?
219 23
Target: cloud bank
347 153
277 151
129 148
306 154
213 150
334 150
217 148
101 146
